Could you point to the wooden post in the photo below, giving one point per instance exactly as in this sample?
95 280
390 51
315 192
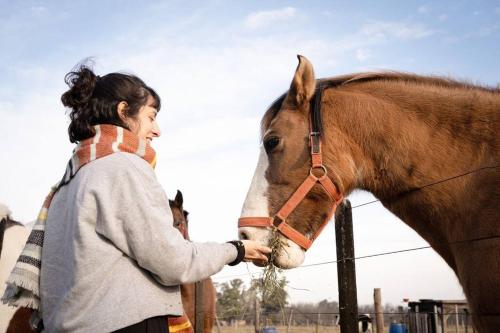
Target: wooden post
379 315
436 320
348 302
217 322
467 321
444 319
199 314
317 322
417 318
257 315
289 321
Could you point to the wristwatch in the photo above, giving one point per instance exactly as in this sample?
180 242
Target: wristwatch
241 252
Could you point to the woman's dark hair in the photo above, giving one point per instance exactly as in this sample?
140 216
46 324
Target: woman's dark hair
94 100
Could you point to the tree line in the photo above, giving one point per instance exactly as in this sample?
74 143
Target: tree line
236 302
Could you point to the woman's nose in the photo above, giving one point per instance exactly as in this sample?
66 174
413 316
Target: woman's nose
156 130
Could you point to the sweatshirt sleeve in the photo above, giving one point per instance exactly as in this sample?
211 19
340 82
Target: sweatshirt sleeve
134 214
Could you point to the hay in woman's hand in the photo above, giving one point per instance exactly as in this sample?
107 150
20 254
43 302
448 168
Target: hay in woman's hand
270 276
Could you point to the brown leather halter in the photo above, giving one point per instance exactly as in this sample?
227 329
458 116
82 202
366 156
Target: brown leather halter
278 221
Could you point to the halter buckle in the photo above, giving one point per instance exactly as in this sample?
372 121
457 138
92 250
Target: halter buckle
315 142
321 167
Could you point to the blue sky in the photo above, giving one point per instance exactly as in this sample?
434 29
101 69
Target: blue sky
217 66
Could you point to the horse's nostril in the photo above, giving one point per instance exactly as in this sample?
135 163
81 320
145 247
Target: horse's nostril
243 235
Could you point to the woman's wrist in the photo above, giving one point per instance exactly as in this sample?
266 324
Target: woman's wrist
240 248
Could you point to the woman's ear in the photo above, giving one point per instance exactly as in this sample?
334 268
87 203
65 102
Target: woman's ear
122 111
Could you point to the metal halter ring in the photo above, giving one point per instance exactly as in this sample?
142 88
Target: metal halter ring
320 167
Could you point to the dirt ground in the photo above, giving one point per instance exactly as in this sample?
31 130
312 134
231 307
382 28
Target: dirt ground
302 329
280 329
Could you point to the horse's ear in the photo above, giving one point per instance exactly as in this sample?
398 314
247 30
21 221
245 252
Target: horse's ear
178 198
4 211
303 84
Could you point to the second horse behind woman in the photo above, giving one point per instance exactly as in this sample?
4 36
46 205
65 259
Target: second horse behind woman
188 289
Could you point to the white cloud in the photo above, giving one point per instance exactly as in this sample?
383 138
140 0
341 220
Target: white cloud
442 17
451 40
400 30
328 13
424 9
263 19
38 10
362 54
483 31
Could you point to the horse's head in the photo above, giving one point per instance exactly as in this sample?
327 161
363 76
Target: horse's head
284 163
180 215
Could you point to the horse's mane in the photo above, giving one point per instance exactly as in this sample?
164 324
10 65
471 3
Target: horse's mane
433 80
342 80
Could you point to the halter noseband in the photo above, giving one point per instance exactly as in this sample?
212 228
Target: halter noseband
278 221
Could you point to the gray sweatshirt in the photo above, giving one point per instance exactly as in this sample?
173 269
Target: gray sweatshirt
111 257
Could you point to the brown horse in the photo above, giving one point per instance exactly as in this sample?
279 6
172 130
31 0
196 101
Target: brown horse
393 134
188 290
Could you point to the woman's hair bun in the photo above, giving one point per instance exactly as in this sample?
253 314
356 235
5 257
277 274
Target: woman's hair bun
81 83
94 100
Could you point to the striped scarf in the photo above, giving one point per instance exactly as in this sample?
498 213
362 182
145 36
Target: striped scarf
180 324
23 284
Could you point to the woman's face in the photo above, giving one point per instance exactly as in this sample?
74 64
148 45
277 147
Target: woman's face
144 125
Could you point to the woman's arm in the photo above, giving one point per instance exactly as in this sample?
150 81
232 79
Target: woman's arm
133 213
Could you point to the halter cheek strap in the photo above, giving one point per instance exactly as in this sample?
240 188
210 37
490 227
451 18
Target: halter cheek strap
278 221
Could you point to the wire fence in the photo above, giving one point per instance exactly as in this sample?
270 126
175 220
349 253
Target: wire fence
434 321
293 320
224 277
401 250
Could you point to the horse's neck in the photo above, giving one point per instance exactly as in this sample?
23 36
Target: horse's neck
402 138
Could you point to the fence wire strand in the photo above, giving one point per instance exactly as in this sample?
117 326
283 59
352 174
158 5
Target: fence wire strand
403 250
431 184
369 256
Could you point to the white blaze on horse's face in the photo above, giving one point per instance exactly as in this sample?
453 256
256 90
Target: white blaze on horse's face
257 204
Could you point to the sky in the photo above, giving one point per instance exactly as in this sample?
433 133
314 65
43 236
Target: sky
218 64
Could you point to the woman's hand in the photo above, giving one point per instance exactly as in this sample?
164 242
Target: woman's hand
256 252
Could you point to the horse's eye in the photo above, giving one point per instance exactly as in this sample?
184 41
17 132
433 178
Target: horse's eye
177 223
271 143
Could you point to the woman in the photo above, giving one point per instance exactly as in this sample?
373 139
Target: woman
111 259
